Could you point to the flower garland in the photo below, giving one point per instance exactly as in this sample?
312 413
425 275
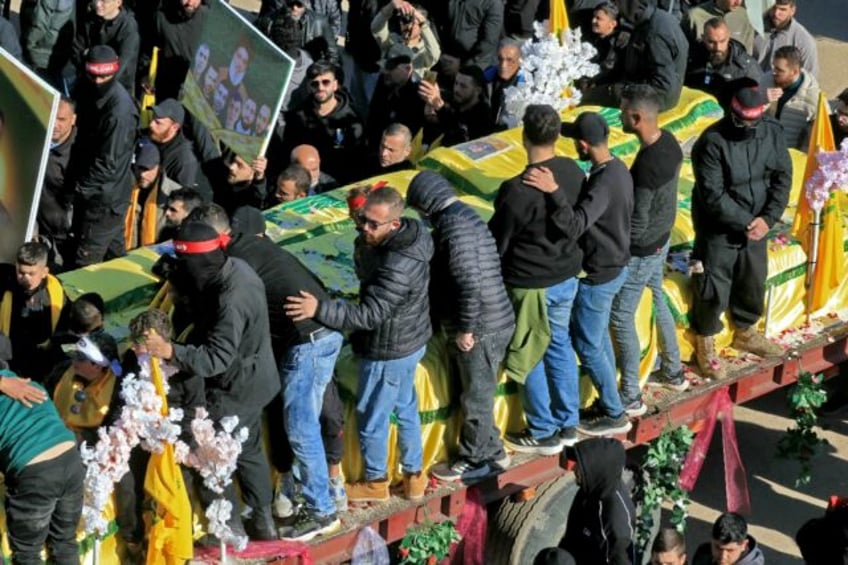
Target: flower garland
142 423
550 66
830 175
801 442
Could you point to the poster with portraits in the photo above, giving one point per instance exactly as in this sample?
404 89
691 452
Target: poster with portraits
27 110
236 83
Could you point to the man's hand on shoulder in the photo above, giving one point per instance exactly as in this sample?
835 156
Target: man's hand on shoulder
540 178
19 389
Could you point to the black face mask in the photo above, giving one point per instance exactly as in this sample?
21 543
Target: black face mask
201 269
100 90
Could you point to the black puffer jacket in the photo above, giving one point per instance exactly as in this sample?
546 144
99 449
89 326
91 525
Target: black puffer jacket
317 36
657 52
467 287
328 8
230 346
177 36
701 74
739 177
601 522
392 316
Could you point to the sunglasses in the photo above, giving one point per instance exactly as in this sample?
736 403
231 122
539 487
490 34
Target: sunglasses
322 82
372 224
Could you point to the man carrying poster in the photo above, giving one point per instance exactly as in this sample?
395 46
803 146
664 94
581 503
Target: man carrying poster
236 82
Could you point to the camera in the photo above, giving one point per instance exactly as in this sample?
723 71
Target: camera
405 18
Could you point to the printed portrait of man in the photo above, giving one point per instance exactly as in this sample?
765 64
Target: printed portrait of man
263 120
248 116
201 62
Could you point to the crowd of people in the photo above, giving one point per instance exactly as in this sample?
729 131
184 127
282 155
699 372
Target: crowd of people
252 332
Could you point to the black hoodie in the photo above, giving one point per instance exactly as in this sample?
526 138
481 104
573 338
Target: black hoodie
602 519
338 136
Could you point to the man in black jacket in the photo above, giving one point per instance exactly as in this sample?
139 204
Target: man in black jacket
602 518
109 23
655 55
655 172
231 348
541 264
718 59
470 29
179 162
305 352
177 33
313 31
107 123
743 175
328 122
56 204
469 301
468 116
395 100
601 220
392 328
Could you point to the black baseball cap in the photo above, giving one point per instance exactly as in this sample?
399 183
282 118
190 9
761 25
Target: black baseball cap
170 108
146 157
589 127
398 54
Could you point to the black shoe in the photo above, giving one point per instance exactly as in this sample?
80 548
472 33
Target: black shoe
309 525
260 525
462 470
523 442
605 426
568 436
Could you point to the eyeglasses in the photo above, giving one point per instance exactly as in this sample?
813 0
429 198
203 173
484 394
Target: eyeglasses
372 224
322 82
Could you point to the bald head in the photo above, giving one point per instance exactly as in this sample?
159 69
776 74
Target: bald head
307 157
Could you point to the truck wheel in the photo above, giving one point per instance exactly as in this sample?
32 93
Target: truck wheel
520 530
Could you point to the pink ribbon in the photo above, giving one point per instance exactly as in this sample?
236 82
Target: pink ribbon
472 527
735 482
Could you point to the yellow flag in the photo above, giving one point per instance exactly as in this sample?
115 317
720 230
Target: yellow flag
417 147
558 17
169 539
148 99
830 265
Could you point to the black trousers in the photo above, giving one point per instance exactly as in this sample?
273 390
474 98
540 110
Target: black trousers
332 430
734 276
43 505
100 238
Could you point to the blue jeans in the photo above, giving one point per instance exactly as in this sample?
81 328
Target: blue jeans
551 395
642 272
386 386
305 371
590 331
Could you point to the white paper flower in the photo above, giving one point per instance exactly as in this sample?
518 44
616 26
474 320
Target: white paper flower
550 66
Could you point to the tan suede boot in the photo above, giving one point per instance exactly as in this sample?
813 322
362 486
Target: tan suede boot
368 491
414 485
709 362
752 341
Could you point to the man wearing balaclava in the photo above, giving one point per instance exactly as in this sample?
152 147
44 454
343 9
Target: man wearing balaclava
743 175
107 120
230 347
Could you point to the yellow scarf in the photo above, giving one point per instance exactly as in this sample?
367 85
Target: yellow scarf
57 302
149 212
93 408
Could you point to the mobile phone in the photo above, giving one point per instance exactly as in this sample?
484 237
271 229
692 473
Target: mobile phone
430 76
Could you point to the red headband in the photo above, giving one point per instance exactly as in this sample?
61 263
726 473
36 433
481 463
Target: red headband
103 69
746 113
197 247
357 201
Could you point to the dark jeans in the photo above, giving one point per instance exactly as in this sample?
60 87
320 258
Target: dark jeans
44 504
480 439
101 237
735 276
332 430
